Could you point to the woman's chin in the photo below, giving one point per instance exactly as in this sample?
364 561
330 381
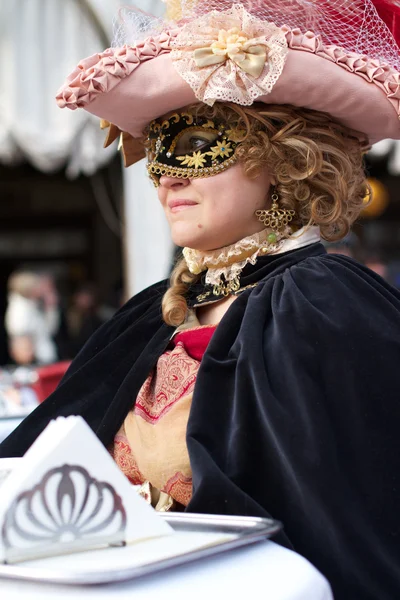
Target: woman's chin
186 237
187 242
198 240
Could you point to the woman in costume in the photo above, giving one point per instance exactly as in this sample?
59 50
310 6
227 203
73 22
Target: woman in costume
263 379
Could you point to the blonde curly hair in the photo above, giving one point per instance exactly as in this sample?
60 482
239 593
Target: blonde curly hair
317 164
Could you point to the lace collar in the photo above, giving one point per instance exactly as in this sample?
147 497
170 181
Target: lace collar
224 265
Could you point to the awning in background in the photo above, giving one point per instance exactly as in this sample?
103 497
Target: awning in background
41 41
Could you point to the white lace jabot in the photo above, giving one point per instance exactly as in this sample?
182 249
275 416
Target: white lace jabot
231 260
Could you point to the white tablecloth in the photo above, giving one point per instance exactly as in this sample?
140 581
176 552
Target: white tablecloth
263 571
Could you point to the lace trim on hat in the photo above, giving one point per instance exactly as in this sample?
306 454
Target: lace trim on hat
230 56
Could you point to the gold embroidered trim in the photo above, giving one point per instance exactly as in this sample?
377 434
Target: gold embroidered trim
156 169
225 288
202 297
237 292
246 287
197 159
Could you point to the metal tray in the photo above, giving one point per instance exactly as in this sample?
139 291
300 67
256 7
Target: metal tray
224 533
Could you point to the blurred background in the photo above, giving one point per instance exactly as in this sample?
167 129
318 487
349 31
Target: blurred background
78 233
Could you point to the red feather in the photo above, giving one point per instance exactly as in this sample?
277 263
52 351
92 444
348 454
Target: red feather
389 11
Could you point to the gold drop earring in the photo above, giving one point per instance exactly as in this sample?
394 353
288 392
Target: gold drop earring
275 218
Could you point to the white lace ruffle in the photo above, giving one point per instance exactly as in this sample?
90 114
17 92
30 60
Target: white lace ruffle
231 260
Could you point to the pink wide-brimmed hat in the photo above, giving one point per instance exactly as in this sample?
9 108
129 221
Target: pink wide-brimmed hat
334 56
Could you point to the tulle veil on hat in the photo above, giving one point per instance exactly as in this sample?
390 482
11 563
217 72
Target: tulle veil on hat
335 56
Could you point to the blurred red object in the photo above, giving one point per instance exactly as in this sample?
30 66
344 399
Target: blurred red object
48 378
389 11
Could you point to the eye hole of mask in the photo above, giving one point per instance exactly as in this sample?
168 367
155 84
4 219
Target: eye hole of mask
193 141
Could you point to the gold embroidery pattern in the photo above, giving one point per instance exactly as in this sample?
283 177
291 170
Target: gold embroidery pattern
246 287
180 488
225 288
174 378
222 149
201 297
196 160
122 455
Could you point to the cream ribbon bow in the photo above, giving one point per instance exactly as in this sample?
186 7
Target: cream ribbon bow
233 44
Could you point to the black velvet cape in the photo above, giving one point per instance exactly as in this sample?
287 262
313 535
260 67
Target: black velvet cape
295 413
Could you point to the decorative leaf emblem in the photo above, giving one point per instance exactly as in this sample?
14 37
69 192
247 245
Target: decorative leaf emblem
67 507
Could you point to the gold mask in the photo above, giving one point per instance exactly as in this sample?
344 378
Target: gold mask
187 146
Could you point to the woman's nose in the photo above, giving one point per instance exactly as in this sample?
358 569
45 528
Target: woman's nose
173 182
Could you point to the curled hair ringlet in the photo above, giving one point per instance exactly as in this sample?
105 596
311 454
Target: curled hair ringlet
317 164
174 305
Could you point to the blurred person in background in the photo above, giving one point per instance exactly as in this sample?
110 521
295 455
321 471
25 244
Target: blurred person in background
61 334
21 349
84 316
32 318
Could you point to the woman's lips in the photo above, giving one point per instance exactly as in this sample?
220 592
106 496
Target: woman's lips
178 205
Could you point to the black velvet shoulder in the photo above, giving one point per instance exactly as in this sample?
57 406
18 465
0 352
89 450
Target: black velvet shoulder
300 397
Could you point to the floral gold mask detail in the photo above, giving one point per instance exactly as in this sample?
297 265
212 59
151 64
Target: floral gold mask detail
186 146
